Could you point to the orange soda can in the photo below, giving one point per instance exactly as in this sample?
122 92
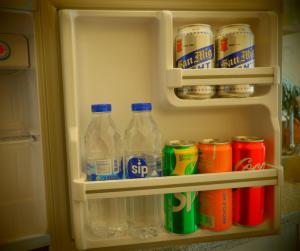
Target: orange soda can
215 210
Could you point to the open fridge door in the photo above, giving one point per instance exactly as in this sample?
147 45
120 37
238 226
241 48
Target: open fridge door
122 57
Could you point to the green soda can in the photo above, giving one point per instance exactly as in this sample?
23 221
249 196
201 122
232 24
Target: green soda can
181 209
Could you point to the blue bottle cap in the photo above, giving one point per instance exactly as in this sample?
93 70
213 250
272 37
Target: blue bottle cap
141 107
101 107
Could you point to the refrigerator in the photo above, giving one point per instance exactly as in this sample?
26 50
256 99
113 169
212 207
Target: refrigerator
123 53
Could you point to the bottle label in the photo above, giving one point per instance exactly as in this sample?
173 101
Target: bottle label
104 169
143 166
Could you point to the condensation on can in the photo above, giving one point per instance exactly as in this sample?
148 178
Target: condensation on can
215 207
235 49
180 158
195 49
249 153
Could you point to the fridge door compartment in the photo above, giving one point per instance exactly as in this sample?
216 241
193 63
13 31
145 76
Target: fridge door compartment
86 238
265 76
165 238
84 190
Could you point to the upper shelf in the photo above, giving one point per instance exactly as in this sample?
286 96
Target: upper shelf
177 77
265 76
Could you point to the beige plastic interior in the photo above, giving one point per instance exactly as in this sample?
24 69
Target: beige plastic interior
122 57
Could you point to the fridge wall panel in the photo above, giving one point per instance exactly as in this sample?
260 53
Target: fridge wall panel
18 96
22 187
22 201
12 105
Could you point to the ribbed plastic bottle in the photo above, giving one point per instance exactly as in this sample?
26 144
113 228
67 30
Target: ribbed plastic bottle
106 218
143 160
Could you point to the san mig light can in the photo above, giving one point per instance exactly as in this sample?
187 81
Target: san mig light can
195 50
180 158
235 49
215 206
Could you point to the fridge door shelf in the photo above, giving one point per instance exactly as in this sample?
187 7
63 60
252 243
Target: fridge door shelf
267 228
84 190
17 139
265 76
263 79
177 77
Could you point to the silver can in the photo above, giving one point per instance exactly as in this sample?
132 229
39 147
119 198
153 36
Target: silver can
235 49
195 50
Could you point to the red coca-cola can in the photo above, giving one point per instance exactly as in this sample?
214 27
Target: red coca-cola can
248 153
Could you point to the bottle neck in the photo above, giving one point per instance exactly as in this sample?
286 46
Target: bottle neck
141 113
101 115
141 117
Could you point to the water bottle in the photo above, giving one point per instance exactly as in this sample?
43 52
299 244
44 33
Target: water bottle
106 218
142 160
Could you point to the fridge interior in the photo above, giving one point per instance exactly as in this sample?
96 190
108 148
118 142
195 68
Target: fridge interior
22 191
122 57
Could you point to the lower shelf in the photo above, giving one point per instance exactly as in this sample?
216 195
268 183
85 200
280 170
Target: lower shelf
173 184
84 191
200 236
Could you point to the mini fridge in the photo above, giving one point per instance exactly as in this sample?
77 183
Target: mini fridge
123 53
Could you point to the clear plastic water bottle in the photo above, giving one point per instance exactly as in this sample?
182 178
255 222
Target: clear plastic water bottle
106 218
142 160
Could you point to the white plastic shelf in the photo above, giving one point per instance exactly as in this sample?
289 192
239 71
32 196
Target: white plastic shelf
177 77
199 236
214 102
173 184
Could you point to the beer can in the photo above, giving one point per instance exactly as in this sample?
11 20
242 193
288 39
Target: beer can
195 50
180 158
235 49
215 206
195 92
249 153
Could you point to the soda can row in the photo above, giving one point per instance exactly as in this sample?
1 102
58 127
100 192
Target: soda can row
217 209
195 49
